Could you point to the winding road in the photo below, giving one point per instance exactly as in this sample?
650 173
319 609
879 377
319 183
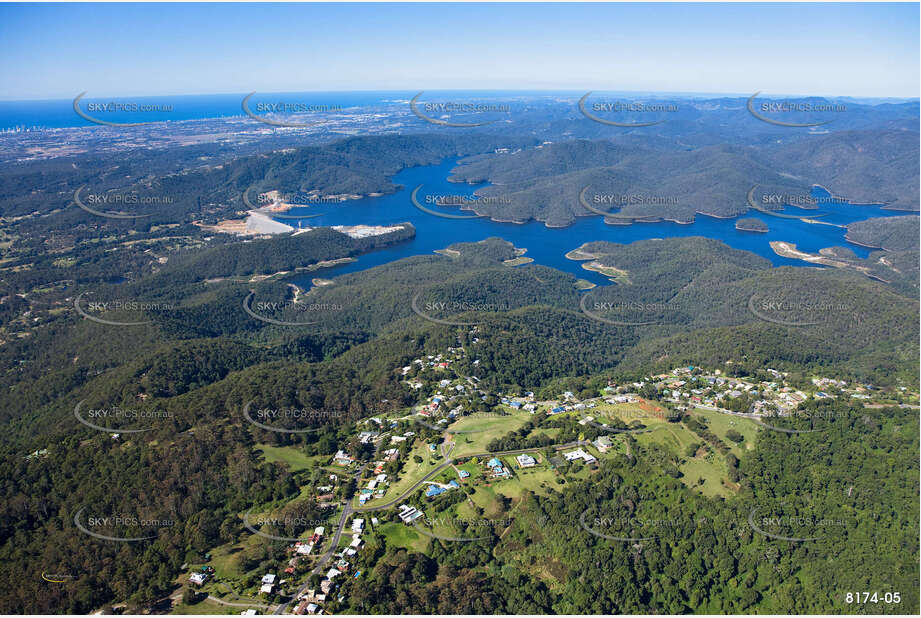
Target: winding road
349 509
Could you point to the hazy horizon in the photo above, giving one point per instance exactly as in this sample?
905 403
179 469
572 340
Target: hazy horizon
122 50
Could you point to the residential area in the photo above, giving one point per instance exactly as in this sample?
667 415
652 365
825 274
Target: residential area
455 466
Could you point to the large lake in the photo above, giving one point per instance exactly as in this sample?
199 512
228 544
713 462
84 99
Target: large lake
548 246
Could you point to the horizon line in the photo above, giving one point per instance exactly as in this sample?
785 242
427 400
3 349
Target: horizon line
575 92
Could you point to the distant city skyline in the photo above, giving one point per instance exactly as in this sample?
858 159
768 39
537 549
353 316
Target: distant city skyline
124 50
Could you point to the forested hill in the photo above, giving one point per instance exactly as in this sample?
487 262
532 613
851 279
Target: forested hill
890 233
189 367
654 181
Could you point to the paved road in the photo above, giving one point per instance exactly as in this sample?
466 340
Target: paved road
346 511
449 462
223 602
349 509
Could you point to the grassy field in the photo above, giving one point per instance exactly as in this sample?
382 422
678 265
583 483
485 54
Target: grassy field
712 469
291 456
401 535
210 607
627 412
721 423
487 428
675 436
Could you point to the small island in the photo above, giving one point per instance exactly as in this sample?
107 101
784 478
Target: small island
749 224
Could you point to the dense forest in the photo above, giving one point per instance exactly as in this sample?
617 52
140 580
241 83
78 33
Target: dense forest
221 327
194 467
697 554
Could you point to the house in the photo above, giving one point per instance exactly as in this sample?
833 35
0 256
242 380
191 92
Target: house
304 549
409 513
342 458
579 454
268 578
526 461
248 612
603 443
498 470
358 525
356 542
434 490
301 608
267 588
198 578
463 474
332 573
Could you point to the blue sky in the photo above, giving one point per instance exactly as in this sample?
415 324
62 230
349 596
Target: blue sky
57 51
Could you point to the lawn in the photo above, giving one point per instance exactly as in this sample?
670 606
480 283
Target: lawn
210 607
627 412
712 469
721 423
401 535
291 456
486 429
